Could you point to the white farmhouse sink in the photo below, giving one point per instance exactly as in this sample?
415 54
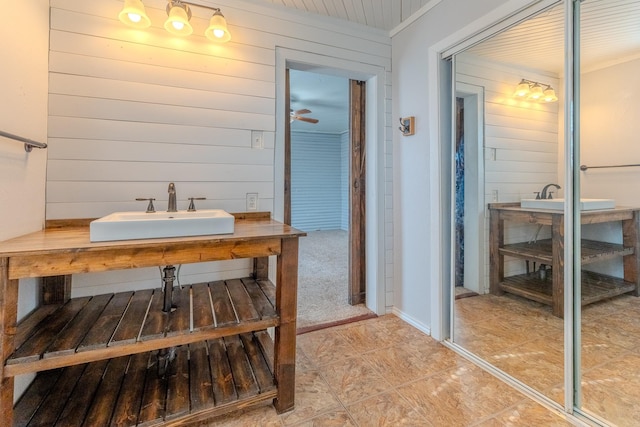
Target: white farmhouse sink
140 225
558 204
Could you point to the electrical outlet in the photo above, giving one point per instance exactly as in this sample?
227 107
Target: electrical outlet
494 194
252 201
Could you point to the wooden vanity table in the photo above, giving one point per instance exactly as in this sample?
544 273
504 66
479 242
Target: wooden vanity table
550 290
96 357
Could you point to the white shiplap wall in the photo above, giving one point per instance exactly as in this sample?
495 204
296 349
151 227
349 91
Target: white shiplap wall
521 142
316 172
131 111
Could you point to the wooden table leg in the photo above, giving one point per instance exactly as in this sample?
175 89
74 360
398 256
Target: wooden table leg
557 256
8 319
285 340
261 268
55 289
630 239
496 260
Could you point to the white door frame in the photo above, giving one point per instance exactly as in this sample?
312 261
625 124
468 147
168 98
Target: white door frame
475 244
375 142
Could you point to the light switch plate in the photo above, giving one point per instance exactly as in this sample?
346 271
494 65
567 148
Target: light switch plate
257 139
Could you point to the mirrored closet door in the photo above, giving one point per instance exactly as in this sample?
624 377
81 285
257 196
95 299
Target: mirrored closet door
607 66
508 301
510 248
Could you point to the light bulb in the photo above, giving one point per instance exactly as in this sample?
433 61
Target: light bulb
134 17
218 33
177 25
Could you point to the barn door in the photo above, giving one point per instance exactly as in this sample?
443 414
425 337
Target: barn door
357 194
287 151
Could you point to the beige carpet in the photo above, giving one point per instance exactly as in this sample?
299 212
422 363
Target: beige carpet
323 267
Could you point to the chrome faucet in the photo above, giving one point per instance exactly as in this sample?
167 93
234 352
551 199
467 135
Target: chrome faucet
172 206
544 194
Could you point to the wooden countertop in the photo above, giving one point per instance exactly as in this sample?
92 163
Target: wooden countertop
513 211
66 248
515 207
75 238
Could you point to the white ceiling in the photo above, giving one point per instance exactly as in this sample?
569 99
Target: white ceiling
610 33
382 14
610 30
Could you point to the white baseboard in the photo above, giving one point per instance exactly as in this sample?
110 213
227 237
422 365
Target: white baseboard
413 322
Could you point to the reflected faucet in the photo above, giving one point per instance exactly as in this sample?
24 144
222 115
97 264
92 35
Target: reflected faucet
543 193
172 206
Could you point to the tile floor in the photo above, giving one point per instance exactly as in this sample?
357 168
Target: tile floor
384 372
525 340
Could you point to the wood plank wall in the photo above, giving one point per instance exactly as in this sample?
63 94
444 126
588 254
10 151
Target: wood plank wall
132 110
524 136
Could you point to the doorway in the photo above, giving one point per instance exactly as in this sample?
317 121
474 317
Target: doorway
469 209
379 264
324 194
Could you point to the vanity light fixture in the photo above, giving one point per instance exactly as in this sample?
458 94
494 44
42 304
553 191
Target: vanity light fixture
178 17
177 22
533 91
217 30
134 15
536 92
549 95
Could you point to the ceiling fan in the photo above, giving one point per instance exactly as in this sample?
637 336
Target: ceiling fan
296 115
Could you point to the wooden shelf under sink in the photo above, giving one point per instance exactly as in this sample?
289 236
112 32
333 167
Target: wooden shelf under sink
551 251
540 251
595 287
88 329
204 379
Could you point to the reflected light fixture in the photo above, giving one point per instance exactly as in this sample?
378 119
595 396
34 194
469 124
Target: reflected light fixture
532 91
549 95
134 15
178 17
522 90
217 30
177 22
536 92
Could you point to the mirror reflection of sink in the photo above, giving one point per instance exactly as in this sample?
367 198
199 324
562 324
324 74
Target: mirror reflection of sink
558 204
140 225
